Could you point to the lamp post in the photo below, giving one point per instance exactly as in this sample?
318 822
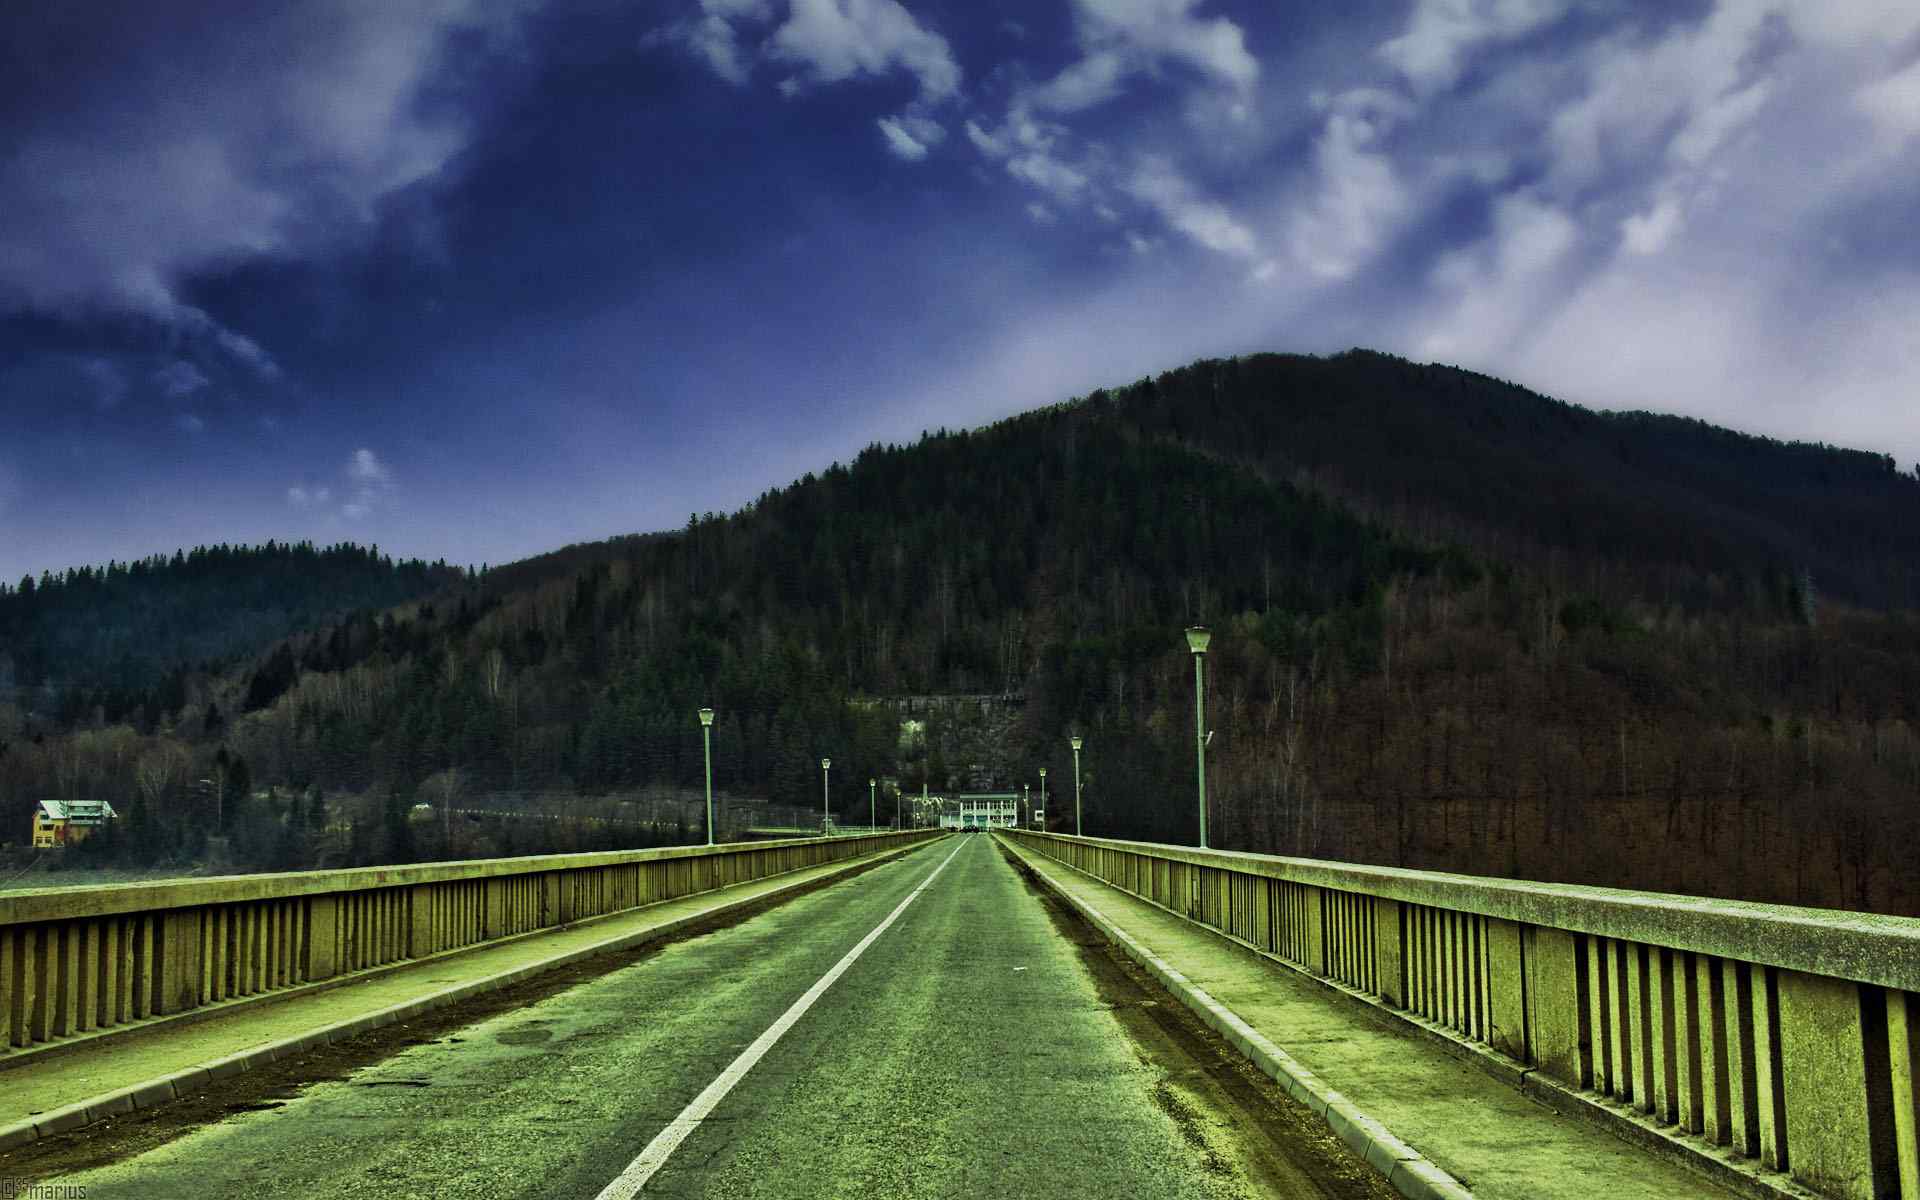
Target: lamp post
873 815
896 808
825 815
1197 638
1026 804
1074 741
706 743
1043 793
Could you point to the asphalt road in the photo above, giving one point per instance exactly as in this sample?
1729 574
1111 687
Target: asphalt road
978 1046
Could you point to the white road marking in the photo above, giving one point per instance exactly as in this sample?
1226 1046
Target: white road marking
664 1143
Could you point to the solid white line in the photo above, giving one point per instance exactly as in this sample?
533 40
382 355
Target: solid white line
668 1140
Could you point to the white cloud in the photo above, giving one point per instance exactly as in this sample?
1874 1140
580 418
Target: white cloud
1649 232
1442 34
1854 24
190 423
1123 38
1358 201
715 36
713 39
1049 174
1093 80
835 40
1893 103
910 137
1493 293
1713 123
365 469
1041 214
180 378
1168 29
1674 102
368 484
1207 222
991 145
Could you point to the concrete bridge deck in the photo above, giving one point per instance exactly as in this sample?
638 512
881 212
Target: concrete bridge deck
970 1049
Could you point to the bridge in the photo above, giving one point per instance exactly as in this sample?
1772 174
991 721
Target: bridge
937 1014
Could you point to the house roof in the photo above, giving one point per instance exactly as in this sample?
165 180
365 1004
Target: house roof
80 812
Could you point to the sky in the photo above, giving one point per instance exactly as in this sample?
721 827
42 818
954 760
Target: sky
476 279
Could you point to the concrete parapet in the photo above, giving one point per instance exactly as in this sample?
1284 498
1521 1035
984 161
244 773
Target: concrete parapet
1555 1008
1903 1054
75 962
1866 947
1787 1039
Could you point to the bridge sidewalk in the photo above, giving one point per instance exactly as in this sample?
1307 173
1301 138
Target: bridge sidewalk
55 1093
1400 1098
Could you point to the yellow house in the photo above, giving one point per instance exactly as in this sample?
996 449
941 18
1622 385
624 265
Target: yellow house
59 822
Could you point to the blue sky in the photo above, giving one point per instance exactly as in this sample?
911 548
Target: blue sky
478 278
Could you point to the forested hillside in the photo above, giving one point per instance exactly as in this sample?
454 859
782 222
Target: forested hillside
123 638
1457 625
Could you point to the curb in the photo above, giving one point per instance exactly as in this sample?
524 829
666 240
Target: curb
174 1086
1408 1172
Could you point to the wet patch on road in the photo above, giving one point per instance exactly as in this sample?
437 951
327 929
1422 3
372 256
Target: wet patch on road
1239 1120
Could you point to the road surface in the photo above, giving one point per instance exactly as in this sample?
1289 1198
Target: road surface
979 1044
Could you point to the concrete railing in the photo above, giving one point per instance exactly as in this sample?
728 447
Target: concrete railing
75 961
1782 1041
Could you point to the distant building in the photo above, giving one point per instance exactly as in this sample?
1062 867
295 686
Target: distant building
984 810
63 822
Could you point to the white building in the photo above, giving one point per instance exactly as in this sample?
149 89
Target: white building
983 810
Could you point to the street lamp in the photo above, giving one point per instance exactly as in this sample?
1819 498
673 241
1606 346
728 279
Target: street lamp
1197 638
1026 805
1074 741
825 816
873 817
1043 792
706 743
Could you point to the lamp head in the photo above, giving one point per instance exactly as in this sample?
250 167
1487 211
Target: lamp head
1074 741
825 763
1197 638
1043 772
706 716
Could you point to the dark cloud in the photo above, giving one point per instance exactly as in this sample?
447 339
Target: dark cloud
151 142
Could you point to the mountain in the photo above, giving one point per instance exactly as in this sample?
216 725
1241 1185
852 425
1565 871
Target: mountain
1457 625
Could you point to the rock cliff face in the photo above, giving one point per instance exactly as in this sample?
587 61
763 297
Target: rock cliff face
959 742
